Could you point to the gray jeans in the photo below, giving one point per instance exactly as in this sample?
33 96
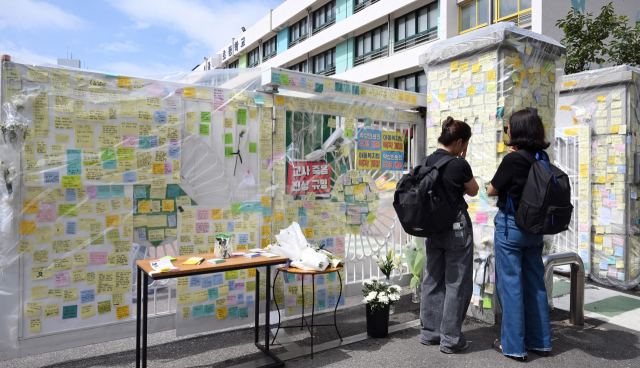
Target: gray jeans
447 286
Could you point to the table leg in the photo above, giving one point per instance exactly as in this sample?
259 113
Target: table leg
138 314
267 316
302 319
144 321
335 323
256 303
313 308
277 307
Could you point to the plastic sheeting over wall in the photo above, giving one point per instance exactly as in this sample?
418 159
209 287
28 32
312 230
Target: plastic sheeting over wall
482 78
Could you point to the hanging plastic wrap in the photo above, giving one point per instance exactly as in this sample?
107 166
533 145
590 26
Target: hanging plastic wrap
600 109
482 78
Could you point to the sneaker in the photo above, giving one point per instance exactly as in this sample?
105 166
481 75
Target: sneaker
466 345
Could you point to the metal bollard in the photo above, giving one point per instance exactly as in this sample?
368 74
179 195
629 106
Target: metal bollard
576 295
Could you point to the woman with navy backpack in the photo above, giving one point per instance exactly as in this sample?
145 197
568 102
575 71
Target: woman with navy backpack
518 254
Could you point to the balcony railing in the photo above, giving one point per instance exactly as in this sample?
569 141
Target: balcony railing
327 72
323 27
270 56
253 65
364 5
375 54
417 39
298 40
522 19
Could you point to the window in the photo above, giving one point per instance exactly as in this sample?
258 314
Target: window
417 23
474 15
298 30
324 61
233 65
300 67
381 83
414 82
324 14
507 8
269 47
372 40
253 58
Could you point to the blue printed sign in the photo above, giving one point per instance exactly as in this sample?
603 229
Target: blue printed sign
369 139
392 160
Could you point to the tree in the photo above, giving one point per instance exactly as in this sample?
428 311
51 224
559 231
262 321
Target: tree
586 39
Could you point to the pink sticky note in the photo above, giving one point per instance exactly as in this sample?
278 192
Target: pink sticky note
455 93
431 122
293 81
618 241
481 218
168 167
338 245
325 216
619 147
307 278
346 180
307 205
202 214
353 211
239 285
130 141
269 163
613 203
92 192
583 227
173 142
605 202
298 277
291 300
231 300
61 278
364 228
278 156
155 89
365 190
202 227
467 83
96 258
219 105
46 216
492 277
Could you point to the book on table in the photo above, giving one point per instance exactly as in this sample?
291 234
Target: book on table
193 261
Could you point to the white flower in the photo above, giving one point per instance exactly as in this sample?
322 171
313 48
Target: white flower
383 299
365 301
371 296
366 282
374 279
12 170
394 297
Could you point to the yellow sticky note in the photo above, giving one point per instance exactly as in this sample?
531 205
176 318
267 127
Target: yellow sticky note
34 325
475 68
501 147
602 98
454 66
123 312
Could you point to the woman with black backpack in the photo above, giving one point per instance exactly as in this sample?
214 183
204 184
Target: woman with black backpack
447 286
518 254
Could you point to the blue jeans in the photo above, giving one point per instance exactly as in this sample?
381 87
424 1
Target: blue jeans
521 290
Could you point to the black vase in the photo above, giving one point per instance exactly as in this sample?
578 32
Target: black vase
378 322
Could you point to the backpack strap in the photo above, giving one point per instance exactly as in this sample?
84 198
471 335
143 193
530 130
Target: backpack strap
443 161
528 156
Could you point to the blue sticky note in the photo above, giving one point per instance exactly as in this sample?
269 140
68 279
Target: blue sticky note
70 194
290 277
343 207
302 212
173 191
622 169
129 177
256 207
320 279
619 252
246 207
462 92
603 264
479 88
275 78
331 301
69 311
153 141
110 165
51 177
341 301
210 309
70 228
266 211
331 276
160 116
230 227
584 254
206 281
240 298
144 142
349 198
322 293
194 281
232 312
500 111
323 243
611 260
449 95
319 87
584 238
322 304
249 300
355 90
338 86
243 238
302 221
476 289
104 191
74 168
198 311
117 191
174 152
213 293
329 243
612 197
171 220
87 296
139 192
218 278
232 285
258 99
621 276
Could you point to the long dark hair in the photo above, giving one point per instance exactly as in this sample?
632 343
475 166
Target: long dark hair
452 130
527 131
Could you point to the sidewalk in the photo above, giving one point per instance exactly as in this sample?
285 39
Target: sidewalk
601 344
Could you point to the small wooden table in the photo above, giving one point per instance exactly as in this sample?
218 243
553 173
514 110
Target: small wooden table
231 264
303 321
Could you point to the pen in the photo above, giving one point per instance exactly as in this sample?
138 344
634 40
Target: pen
200 262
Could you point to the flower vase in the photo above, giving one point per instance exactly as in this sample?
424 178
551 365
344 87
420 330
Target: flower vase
392 309
415 294
378 322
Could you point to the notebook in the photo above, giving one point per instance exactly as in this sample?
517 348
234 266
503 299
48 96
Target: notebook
193 261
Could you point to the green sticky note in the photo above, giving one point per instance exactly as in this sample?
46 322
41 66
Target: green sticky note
205 116
284 79
204 129
242 117
486 302
253 147
547 65
108 154
228 152
236 207
348 133
228 138
275 78
319 87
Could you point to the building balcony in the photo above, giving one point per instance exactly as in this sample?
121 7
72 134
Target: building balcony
522 19
327 72
415 40
298 40
364 5
323 27
270 56
370 56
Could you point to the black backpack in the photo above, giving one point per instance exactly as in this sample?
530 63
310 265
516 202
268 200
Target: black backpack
420 201
545 205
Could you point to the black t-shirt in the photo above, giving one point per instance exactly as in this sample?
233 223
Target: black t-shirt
454 174
511 176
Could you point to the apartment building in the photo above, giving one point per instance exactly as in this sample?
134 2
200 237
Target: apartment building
379 41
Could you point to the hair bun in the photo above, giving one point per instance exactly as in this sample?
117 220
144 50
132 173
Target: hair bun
447 123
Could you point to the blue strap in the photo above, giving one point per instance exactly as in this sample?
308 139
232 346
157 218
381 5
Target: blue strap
542 156
508 208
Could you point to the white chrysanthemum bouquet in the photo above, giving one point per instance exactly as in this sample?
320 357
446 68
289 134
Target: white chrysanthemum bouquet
378 294
388 263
